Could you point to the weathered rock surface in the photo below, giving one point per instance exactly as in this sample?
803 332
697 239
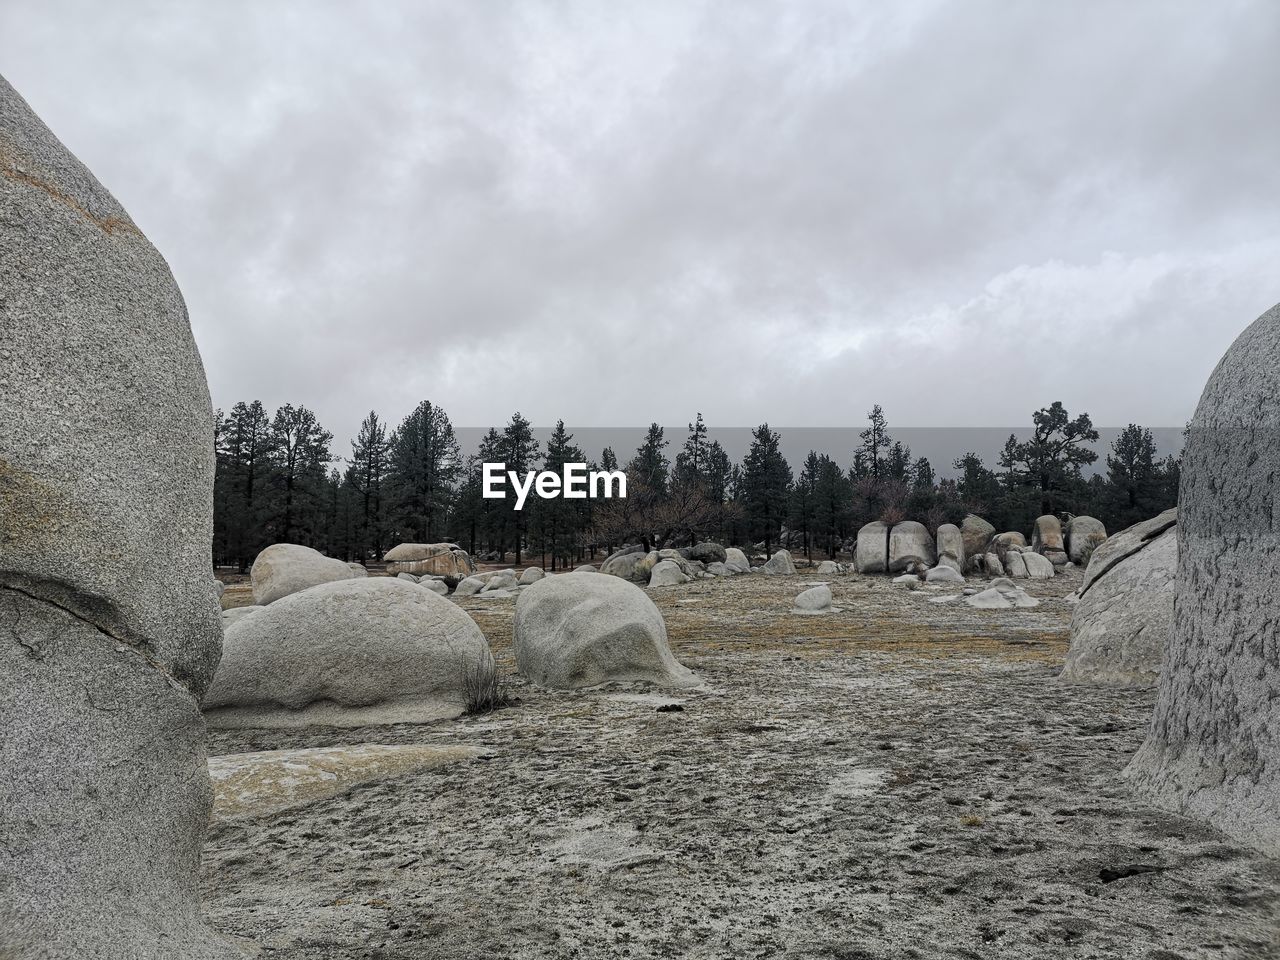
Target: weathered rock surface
736 560
871 554
573 632
447 560
236 613
1125 615
349 653
285 568
1001 543
1213 750
109 630
780 564
623 565
829 568
531 575
1038 567
708 552
910 545
951 547
247 785
1083 534
469 586
977 533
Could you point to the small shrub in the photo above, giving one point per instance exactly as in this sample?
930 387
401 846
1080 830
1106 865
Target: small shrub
484 688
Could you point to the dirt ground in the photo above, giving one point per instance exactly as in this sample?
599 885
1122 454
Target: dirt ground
900 779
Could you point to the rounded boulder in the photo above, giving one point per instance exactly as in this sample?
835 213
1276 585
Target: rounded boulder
575 632
349 653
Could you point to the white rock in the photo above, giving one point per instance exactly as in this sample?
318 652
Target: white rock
780 563
667 574
531 575
286 568
577 631
944 574
814 600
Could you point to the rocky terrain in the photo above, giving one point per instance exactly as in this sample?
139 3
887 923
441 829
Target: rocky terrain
901 778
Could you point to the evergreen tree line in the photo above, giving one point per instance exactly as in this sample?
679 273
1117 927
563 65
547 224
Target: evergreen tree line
278 481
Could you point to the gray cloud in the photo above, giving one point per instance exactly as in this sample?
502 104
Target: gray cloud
761 211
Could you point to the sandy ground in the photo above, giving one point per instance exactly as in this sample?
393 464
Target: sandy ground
901 779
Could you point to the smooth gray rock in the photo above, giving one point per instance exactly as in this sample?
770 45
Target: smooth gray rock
1083 534
436 586
407 577
1122 622
585 568
871 554
347 654
780 564
531 575
109 631
1213 750
285 568
468 586
667 574
943 574
828 568
1003 594
219 588
1038 567
951 547
577 631
736 560
815 600
910 544
977 533
623 565
1002 543
1046 535
501 580
359 569
992 566
719 570
708 552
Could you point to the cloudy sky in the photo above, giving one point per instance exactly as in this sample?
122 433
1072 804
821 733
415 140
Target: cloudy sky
618 213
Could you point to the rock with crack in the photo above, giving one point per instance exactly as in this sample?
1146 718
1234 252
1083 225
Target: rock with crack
576 631
347 654
911 547
1125 613
1213 748
109 631
286 568
871 553
976 533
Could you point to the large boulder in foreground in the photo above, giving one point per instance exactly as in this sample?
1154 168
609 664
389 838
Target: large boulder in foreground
109 631
445 560
1125 614
911 547
1213 749
348 654
580 631
285 568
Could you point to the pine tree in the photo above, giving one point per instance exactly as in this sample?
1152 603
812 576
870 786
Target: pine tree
365 476
691 461
300 455
520 453
869 459
804 503
766 481
241 482
650 466
559 520
1052 459
423 465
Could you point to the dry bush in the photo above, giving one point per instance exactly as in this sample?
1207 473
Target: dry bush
484 688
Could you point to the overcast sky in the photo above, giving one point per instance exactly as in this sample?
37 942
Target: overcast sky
789 211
